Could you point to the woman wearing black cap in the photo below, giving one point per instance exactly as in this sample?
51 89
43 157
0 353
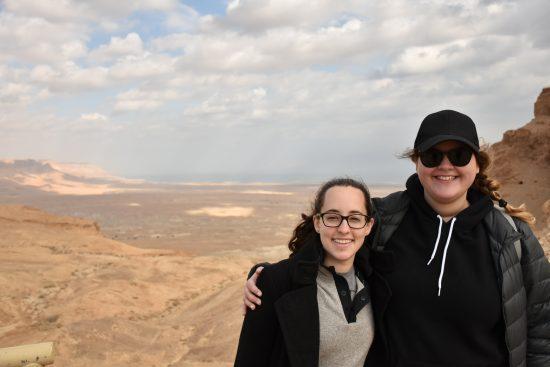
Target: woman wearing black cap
458 282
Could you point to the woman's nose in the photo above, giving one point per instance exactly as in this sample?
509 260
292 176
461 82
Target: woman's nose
445 163
344 226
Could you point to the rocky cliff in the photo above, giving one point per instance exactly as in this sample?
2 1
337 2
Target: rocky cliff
521 163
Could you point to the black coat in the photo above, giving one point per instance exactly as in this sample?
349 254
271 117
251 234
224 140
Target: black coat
284 330
525 284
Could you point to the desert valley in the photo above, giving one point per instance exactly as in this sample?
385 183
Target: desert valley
124 272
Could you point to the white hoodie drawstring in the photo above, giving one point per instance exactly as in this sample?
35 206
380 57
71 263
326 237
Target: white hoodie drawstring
445 256
437 240
444 251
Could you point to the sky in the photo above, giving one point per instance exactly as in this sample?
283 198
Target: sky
260 90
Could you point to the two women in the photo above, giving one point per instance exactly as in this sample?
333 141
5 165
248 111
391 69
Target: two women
316 309
455 283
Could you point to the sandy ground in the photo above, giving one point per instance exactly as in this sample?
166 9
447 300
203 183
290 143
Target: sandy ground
105 303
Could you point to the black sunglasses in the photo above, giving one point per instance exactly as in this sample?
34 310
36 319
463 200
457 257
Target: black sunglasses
459 157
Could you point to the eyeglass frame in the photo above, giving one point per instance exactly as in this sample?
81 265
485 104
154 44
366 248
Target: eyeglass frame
342 218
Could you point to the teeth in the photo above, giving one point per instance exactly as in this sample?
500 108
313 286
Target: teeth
342 241
445 178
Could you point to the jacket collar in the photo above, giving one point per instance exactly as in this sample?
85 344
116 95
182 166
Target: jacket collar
297 310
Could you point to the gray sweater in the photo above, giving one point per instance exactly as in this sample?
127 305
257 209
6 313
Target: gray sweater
342 344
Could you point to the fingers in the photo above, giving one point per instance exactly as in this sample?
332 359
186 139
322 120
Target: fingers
247 304
251 292
251 283
251 297
249 301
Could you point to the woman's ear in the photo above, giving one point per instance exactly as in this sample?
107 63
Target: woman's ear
477 164
316 223
369 225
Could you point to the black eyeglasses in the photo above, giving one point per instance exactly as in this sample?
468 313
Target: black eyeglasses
459 157
355 221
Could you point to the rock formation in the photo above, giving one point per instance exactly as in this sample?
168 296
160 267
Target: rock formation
521 163
542 105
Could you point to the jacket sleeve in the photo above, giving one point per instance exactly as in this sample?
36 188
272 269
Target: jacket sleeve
259 328
536 277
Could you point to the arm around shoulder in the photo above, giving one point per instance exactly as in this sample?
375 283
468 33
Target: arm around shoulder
259 328
536 277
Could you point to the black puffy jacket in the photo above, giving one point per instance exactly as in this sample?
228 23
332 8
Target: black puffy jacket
525 282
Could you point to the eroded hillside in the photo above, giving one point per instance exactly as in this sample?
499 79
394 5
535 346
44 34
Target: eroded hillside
105 303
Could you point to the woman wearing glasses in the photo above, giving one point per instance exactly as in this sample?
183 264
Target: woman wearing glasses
459 283
315 306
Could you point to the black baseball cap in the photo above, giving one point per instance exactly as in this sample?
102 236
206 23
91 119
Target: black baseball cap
446 125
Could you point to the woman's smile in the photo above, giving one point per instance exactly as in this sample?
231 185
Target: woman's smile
342 242
445 178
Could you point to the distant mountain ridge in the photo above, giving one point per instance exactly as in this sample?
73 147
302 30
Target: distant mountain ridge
60 178
8 166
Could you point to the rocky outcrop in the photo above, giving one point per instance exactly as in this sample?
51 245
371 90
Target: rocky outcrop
521 163
542 105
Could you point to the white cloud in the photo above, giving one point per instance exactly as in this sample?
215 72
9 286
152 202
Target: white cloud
186 18
56 10
260 15
283 76
71 10
135 99
32 40
242 52
95 116
69 77
15 94
146 65
259 93
73 50
118 47
457 55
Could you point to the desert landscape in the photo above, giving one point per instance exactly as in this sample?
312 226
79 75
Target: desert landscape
152 276
124 272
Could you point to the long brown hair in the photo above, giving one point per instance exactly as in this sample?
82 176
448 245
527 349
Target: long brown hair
305 230
487 185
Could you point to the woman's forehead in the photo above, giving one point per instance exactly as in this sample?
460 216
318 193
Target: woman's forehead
344 198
